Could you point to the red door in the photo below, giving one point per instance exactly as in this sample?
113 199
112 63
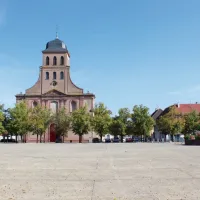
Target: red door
52 133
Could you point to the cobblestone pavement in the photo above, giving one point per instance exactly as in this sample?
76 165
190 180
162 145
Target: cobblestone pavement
126 171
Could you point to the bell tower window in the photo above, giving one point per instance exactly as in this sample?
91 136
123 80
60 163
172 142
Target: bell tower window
47 75
54 75
54 60
61 75
47 60
61 60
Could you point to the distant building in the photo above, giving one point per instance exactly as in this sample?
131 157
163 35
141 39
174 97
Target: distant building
55 89
180 108
156 134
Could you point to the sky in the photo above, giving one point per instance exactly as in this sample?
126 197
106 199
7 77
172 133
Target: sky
127 53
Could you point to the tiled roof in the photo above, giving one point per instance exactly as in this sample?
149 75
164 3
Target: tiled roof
187 108
156 113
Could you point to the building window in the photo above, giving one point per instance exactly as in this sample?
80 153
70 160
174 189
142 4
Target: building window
47 60
61 75
61 60
54 60
54 75
47 75
54 106
35 103
73 106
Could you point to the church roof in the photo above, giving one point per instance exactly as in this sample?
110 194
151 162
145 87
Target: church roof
55 46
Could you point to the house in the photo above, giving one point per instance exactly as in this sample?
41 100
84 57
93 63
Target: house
180 108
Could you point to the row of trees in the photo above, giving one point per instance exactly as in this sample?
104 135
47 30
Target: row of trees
21 120
173 122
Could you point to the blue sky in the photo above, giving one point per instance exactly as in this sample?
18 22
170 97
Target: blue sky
126 52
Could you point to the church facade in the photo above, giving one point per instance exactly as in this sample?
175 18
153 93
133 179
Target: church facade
55 89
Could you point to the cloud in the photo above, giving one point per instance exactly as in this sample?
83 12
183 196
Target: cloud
188 91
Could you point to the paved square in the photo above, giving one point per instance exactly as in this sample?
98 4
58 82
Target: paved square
99 172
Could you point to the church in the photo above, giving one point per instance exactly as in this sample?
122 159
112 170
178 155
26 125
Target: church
54 89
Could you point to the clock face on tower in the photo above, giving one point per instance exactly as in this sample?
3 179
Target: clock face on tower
54 83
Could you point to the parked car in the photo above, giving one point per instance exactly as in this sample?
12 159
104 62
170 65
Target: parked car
8 140
136 139
115 139
107 140
129 139
95 140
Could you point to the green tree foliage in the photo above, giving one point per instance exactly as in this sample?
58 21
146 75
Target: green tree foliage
121 123
142 121
192 123
40 119
117 127
2 118
81 122
18 122
62 122
101 120
124 116
171 123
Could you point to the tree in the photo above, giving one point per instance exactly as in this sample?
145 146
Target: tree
192 123
18 122
142 121
124 116
101 120
117 127
2 118
81 122
62 122
40 118
171 122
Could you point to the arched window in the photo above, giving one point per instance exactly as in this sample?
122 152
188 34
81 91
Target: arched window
61 75
54 106
73 106
47 60
61 60
35 103
54 75
47 75
54 60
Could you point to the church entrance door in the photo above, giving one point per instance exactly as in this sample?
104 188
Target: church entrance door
52 133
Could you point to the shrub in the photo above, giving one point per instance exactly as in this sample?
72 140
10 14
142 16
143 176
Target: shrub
187 137
198 136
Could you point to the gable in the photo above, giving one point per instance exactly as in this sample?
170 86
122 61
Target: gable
54 93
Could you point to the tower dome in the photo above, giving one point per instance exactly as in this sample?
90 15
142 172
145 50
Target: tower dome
55 46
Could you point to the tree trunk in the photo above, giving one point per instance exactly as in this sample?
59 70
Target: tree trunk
37 138
172 137
7 139
24 138
80 138
122 137
101 136
63 138
44 137
40 138
21 138
16 138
